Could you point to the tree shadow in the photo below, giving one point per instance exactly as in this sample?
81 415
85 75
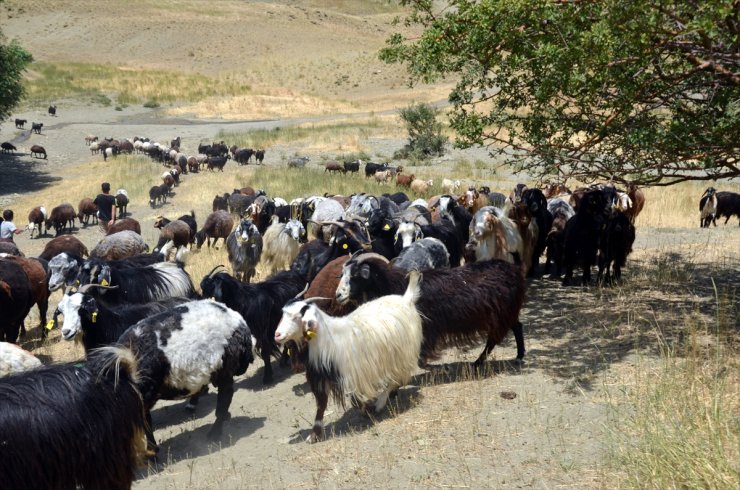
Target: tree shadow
579 332
22 175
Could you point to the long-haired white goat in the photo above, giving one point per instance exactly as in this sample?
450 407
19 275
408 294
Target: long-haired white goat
366 354
493 236
281 243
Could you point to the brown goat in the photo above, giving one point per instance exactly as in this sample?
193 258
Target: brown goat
87 209
178 232
472 200
404 180
218 225
70 244
333 166
522 218
124 224
39 287
36 219
61 216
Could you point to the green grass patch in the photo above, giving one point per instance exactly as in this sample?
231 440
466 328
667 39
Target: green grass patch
318 134
51 81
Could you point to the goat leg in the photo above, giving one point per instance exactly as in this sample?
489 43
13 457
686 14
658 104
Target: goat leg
490 344
225 394
317 432
519 337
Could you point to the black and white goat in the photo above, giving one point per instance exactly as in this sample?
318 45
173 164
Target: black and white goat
99 325
244 245
708 208
181 351
443 231
87 425
259 304
366 354
65 267
482 300
424 254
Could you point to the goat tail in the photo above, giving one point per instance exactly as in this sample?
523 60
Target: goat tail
413 291
114 361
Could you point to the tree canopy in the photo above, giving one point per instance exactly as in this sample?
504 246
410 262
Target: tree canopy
13 61
638 91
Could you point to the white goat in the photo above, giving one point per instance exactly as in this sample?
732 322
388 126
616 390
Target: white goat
494 236
281 244
450 186
365 355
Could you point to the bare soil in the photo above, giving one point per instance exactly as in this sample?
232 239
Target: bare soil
541 425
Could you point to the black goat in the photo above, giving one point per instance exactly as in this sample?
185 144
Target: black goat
615 245
728 205
582 233
260 305
16 300
87 425
481 300
536 202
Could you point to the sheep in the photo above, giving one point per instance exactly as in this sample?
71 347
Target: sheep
158 194
90 139
427 253
281 244
333 166
137 283
119 245
16 300
122 202
259 304
178 232
450 186
36 271
98 325
298 162
244 245
85 210
728 205
168 180
218 225
94 148
124 224
708 208
421 186
61 216
615 245
182 350
325 211
8 147
582 232
88 424
217 162
482 300
561 212
220 202
15 360
192 164
69 244
37 219
366 354
7 246
493 236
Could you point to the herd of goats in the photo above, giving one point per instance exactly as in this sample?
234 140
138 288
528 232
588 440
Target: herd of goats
352 296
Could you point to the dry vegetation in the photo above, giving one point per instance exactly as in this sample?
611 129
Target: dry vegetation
632 386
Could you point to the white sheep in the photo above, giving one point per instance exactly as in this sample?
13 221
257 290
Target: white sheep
450 186
421 186
13 359
366 354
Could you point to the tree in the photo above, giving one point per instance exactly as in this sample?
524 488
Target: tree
639 91
13 61
425 132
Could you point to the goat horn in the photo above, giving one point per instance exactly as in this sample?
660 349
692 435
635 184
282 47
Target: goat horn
210 274
300 295
315 299
367 256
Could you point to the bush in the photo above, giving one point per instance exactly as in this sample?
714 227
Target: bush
425 133
151 104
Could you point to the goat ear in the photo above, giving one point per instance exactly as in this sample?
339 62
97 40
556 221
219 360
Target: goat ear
365 271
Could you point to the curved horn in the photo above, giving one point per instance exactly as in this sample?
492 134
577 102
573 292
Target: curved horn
210 274
367 256
300 295
315 299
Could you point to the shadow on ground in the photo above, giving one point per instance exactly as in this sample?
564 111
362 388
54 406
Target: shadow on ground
21 173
